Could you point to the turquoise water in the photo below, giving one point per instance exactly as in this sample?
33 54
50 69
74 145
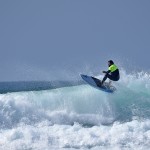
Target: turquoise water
78 117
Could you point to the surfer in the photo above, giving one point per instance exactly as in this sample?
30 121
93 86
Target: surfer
112 73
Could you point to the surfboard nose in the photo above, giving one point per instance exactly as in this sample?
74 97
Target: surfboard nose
83 76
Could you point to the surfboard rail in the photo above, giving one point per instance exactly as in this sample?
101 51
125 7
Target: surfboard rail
96 83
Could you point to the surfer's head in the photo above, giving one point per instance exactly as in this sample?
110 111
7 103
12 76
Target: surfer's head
110 62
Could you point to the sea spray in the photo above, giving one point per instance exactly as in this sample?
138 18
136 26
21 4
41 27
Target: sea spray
78 117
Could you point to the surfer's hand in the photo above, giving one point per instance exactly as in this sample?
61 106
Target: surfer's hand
104 71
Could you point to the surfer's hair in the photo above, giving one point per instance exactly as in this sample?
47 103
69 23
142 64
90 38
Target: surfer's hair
111 62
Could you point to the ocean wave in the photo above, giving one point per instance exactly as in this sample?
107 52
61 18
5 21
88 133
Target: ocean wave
81 103
78 117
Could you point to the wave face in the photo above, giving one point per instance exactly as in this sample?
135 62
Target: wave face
78 117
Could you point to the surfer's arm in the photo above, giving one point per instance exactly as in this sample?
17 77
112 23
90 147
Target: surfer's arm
106 71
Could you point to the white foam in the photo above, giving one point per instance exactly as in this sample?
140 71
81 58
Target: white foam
130 135
76 117
62 106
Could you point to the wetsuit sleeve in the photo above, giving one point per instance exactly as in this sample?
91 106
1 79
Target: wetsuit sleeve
107 71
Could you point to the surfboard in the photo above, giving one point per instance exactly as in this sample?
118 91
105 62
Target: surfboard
96 83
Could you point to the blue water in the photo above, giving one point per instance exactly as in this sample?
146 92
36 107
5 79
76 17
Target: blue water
73 115
17 86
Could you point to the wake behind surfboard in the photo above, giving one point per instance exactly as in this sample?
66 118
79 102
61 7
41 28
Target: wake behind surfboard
96 83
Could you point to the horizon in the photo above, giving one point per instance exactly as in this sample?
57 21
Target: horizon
54 40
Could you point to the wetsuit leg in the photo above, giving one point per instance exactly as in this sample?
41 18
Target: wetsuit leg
110 77
105 77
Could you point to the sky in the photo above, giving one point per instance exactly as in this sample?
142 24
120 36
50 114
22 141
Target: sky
55 39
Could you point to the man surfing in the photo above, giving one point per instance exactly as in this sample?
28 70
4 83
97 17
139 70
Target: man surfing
112 73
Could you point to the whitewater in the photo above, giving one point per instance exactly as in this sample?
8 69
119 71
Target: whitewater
78 117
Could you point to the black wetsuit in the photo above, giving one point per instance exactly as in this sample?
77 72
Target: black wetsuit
114 76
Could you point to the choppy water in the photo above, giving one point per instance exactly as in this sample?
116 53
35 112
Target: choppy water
78 117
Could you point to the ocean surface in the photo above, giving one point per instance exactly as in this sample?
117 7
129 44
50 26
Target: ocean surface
70 115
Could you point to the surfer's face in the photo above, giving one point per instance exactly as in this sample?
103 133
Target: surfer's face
108 63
